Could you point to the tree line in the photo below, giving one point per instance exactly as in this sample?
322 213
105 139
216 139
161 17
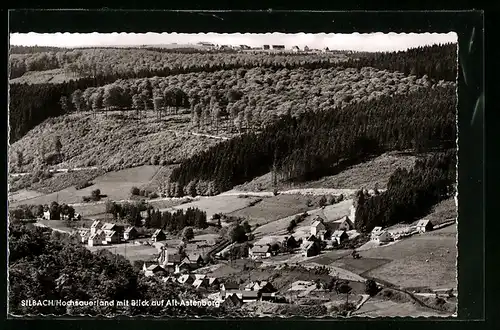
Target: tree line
47 265
176 221
317 144
438 62
410 194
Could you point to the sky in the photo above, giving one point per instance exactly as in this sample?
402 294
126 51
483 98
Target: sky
355 41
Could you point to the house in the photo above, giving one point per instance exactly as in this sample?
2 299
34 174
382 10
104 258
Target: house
232 301
318 228
245 47
290 243
96 238
311 238
342 224
381 236
200 283
375 232
228 288
340 236
158 236
266 47
96 225
424 225
194 260
295 49
186 279
278 47
46 215
153 270
84 235
310 249
306 49
259 251
112 237
130 233
326 50
108 226
260 286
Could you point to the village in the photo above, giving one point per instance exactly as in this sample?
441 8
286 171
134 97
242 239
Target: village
197 262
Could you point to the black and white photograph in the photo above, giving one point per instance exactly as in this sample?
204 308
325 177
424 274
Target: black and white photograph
233 175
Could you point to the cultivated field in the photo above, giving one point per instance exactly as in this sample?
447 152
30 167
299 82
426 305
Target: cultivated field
374 172
216 204
277 207
115 185
426 260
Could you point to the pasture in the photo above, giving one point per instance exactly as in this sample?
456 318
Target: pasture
424 260
114 185
132 252
23 195
226 204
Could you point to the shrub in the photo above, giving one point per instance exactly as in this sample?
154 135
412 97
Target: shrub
292 225
153 195
371 287
83 184
322 201
135 191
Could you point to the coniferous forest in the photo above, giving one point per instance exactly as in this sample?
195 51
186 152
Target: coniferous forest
410 194
317 144
31 104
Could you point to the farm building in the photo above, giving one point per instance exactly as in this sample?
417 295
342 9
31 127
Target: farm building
310 249
158 236
259 251
96 238
165 258
112 237
340 236
46 215
130 233
318 228
295 49
424 225
153 270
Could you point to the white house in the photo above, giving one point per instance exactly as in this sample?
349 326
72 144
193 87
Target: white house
424 225
260 251
96 225
96 238
380 236
340 236
295 49
153 270
318 228
46 215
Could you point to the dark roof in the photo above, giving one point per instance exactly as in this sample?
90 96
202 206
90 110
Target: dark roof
231 285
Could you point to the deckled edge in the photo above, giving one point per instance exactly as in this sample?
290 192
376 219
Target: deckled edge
209 318
457 160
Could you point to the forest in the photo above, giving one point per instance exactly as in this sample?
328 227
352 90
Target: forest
322 143
410 194
44 264
176 221
31 104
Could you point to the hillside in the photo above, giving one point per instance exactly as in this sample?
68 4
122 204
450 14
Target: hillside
111 142
374 172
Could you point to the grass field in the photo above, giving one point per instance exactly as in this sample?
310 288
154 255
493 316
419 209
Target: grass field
444 211
217 204
23 195
55 76
424 260
115 185
276 207
365 175
279 227
131 252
